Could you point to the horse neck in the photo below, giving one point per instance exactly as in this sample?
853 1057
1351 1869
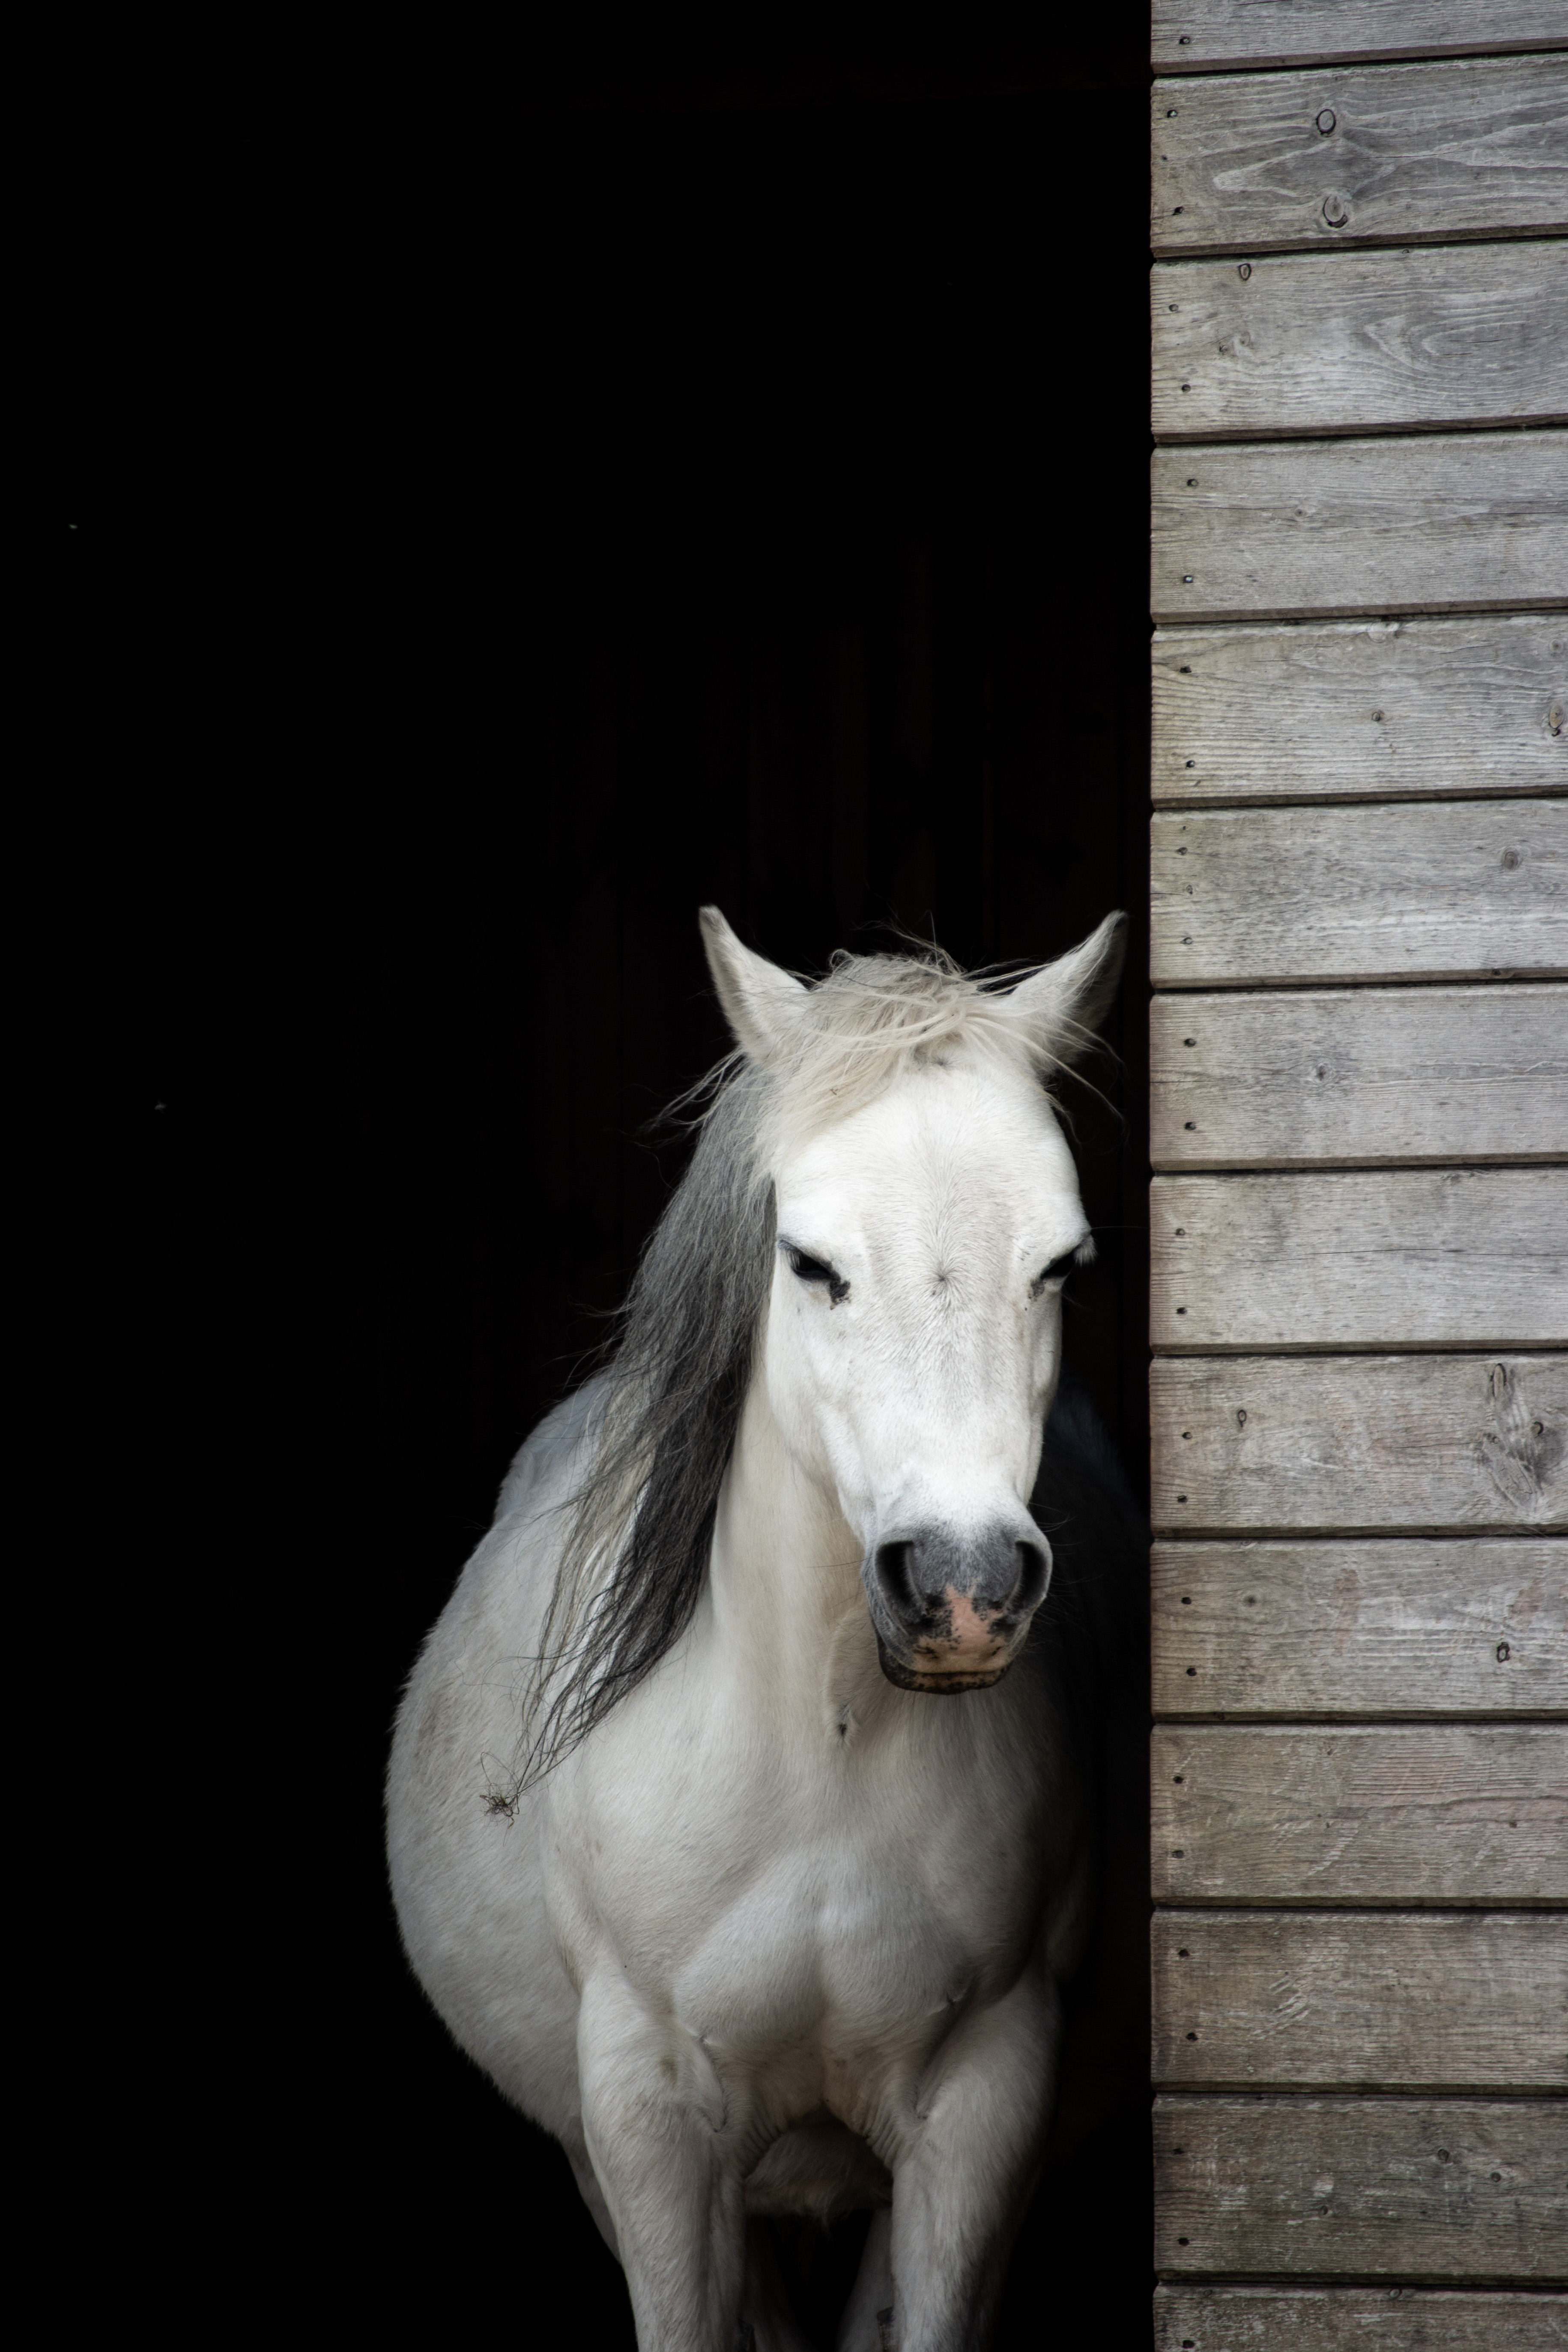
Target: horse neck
784 1580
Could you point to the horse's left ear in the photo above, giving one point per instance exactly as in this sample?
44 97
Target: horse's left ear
1064 1003
762 1003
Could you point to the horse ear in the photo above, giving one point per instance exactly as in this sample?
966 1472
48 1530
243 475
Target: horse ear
1063 1003
762 1003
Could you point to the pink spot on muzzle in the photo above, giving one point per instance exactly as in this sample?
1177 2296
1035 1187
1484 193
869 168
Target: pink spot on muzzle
969 1639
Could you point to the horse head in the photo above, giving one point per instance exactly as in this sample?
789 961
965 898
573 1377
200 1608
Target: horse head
928 1215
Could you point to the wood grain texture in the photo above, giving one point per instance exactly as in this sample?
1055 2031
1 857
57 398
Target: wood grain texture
1409 153
1433 522
1369 2319
1360 342
1402 1258
1269 896
1411 1627
1361 2187
1199 36
1421 1814
1296 1078
1267 1445
1350 2000
1348 709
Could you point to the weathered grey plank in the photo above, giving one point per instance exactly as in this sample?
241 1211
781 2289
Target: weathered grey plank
1360 709
1371 2319
1360 342
1424 1814
1361 2188
1262 1444
1433 522
1402 1258
1199 36
1356 1999
1410 1627
1268 897
1389 154
1300 1078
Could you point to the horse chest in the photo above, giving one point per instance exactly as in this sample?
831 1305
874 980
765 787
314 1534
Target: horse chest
825 1952
829 1920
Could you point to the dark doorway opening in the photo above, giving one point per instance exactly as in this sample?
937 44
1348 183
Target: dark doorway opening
662 491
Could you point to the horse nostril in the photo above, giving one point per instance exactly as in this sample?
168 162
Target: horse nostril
894 1563
1034 1577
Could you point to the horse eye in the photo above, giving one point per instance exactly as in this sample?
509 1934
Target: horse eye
1058 1271
812 1269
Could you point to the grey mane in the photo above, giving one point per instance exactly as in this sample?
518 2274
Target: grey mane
640 1528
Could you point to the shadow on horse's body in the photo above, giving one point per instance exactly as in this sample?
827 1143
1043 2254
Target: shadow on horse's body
749 1815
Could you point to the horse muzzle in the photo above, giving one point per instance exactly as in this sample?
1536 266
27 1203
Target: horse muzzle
951 1613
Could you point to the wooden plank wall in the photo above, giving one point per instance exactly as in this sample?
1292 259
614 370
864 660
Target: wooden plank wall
1360 1205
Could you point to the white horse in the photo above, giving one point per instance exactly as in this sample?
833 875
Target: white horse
685 1850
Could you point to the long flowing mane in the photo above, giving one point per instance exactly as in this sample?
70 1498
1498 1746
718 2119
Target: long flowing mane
668 1396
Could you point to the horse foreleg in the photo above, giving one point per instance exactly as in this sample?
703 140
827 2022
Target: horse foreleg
867 2312
968 2166
652 2121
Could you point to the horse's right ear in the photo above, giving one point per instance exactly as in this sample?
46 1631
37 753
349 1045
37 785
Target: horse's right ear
762 1003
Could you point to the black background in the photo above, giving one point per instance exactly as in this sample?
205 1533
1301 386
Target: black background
513 507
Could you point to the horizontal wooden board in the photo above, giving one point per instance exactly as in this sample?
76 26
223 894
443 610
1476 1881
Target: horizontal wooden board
1298 1077
1199 36
1400 1258
1436 523
1367 2319
1361 2188
1360 342
1345 155
1249 897
1354 1999
1267 1445
1362 709
1422 1814
1412 1627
